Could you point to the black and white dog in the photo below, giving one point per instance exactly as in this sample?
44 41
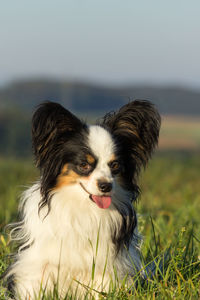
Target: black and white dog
79 226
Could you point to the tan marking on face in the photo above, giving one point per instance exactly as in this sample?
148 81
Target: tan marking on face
64 169
66 177
90 159
112 158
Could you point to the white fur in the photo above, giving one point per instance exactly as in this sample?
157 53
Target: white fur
63 242
102 145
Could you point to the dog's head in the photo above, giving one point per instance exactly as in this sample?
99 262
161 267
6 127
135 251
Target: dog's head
97 158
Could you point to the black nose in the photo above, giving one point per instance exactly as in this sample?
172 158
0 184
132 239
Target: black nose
104 186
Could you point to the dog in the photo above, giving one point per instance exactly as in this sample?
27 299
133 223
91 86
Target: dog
78 231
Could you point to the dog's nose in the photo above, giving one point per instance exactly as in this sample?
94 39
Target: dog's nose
104 186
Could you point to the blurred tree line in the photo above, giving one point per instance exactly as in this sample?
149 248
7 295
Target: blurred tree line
19 99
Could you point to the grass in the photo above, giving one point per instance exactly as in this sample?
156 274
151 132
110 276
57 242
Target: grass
168 219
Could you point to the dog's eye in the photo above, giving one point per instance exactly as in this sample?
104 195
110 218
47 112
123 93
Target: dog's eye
85 166
114 166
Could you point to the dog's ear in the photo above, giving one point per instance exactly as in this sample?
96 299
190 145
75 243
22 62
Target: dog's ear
52 124
136 129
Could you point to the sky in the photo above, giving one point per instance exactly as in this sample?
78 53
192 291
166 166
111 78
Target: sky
109 42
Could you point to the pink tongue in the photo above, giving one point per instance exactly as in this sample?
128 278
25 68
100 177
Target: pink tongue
102 201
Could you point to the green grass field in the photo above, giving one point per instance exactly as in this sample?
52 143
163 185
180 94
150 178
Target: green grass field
169 218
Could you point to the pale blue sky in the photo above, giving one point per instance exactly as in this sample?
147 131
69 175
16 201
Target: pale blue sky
105 41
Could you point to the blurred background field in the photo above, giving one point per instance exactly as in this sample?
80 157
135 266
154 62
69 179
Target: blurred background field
180 109
180 133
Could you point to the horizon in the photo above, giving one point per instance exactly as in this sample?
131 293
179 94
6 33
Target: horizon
99 84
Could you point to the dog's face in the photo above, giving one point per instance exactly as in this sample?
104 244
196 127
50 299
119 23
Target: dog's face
96 158
92 164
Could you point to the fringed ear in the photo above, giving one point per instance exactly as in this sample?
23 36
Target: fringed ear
52 125
136 130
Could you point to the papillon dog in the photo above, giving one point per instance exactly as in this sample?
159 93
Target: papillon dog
78 230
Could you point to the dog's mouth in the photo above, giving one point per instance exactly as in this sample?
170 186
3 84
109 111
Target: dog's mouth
102 201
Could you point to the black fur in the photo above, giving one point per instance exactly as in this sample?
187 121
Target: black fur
135 128
9 284
57 137
123 236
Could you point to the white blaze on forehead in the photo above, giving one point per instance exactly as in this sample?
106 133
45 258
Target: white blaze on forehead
101 143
